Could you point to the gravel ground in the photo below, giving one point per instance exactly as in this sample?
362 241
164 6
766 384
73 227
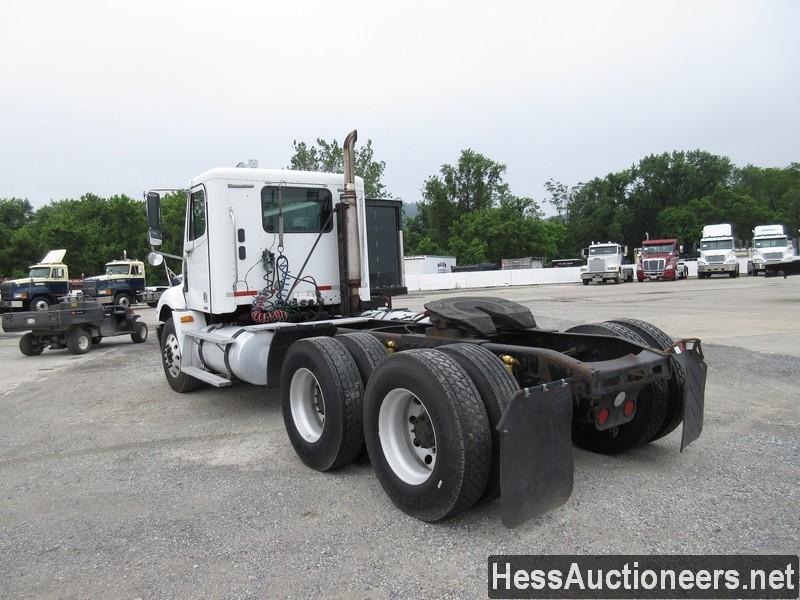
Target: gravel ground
113 486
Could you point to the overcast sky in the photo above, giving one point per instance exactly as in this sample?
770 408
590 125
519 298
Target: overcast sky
115 97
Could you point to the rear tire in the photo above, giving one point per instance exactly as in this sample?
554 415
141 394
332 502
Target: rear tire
496 386
139 334
651 405
427 434
79 341
366 350
585 281
661 340
321 399
171 361
30 345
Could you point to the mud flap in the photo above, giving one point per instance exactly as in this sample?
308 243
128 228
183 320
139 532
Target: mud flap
689 355
536 464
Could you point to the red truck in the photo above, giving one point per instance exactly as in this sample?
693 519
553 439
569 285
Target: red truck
661 259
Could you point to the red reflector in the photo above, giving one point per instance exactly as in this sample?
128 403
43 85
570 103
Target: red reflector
245 293
630 406
602 416
325 288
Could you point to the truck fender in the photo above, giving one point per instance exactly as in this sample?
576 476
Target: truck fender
187 320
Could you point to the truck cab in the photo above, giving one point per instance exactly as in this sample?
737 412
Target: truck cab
717 252
771 244
605 263
121 284
47 281
660 259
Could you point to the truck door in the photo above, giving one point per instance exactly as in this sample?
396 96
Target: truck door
196 253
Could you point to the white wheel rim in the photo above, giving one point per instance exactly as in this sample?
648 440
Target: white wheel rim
172 355
41 305
307 404
124 301
84 342
407 436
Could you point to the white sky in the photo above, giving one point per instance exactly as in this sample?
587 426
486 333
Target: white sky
115 97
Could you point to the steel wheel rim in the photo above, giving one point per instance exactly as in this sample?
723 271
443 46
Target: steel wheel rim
307 404
172 355
84 341
401 418
124 301
41 305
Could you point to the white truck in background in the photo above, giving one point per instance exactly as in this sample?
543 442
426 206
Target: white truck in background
771 244
605 263
717 252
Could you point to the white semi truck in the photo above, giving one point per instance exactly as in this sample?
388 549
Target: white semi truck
467 400
771 245
605 262
717 252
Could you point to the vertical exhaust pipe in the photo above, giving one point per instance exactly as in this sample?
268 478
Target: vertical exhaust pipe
353 246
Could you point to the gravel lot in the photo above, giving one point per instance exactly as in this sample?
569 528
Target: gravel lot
113 486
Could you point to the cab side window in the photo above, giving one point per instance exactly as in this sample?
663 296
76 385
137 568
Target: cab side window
197 215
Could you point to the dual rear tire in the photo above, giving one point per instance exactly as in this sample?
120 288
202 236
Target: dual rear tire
426 416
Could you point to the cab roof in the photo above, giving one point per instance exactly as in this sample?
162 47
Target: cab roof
267 176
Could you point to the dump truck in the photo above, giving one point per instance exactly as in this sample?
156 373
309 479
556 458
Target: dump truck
47 282
465 401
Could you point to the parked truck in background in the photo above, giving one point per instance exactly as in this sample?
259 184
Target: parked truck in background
771 244
122 283
661 259
47 281
605 262
717 252
467 400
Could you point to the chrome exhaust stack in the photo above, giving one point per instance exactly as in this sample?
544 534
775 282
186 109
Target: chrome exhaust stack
353 245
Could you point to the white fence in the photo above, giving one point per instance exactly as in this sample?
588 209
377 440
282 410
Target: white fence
486 279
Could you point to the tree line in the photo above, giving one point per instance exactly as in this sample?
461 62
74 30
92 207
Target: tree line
467 210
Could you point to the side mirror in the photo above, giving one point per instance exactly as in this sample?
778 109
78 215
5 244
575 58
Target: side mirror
680 249
625 250
154 219
155 259
585 252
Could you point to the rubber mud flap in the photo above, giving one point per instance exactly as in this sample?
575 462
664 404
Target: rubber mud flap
536 466
695 369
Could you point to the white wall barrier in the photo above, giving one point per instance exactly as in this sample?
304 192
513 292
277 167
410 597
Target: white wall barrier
486 279
483 279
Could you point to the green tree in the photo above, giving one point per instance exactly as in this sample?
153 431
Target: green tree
15 249
474 183
328 157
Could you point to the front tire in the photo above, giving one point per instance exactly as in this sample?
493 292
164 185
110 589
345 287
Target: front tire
139 334
79 341
321 400
171 361
427 434
40 303
123 299
30 345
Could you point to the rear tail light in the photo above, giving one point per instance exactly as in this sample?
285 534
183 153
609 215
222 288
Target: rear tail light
602 416
629 408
